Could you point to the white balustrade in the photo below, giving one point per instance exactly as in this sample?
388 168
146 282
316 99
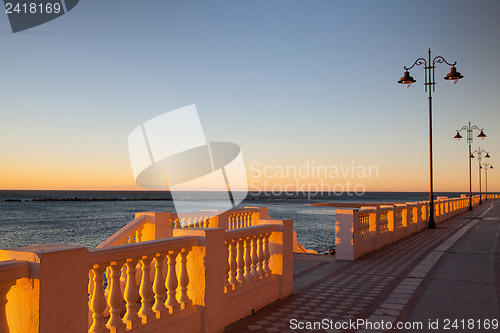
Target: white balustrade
164 284
128 258
248 256
361 231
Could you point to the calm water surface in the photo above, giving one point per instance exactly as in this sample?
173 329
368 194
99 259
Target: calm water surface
85 221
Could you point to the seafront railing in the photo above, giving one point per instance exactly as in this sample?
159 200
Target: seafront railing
10 272
156 225
360 231
196 280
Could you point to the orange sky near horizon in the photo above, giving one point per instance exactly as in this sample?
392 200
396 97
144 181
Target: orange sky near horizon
58 175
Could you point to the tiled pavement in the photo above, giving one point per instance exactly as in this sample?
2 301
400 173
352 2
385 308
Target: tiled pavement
374 288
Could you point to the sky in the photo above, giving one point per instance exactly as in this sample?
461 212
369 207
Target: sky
296 84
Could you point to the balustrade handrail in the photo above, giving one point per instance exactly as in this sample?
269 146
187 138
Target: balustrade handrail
137 250
211 213
389 223
11 270
200 214
249 231
243 210
121 236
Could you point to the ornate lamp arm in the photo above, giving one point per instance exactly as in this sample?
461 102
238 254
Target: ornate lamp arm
417 62
440 60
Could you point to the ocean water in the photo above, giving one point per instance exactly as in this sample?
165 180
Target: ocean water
87 218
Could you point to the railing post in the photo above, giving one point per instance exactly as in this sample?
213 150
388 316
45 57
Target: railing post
281 253
345 227
55 296
221 221
207 272
160 226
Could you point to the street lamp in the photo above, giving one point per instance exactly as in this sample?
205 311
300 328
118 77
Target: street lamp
486 167
470 129
480 152
407 80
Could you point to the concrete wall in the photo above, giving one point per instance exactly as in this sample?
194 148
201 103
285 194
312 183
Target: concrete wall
360 231
199 280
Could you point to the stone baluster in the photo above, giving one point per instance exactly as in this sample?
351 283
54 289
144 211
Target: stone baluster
159 286
248 260
260 255
131 295
267 255
123 281
90 288
138 234
107 272
146 291
233 265
171 282
241 261
98 301
131 239
184 280
255 259
227 284
115 298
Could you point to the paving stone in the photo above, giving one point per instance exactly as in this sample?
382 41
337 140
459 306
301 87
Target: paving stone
394 306
356 288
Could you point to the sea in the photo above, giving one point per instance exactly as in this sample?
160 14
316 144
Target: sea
86 218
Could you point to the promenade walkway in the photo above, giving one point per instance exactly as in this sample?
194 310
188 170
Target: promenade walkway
437 279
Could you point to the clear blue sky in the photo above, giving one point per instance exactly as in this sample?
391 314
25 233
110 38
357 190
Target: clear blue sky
289 81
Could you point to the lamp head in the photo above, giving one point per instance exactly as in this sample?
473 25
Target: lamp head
453 75
407 80
458 136
481 135
487 155
491 166
471 155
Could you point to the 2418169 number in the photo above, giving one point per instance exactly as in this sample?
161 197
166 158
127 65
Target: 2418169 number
32 8
471 324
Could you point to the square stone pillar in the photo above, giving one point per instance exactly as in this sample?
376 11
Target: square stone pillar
54 298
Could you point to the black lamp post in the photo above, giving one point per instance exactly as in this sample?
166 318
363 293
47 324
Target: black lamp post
480 152
486 167
470 129
407 80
